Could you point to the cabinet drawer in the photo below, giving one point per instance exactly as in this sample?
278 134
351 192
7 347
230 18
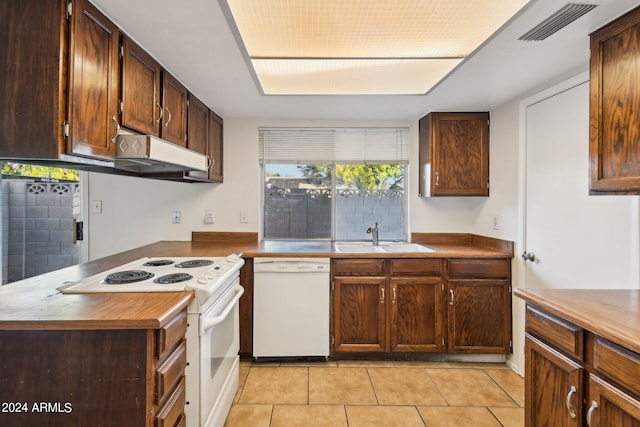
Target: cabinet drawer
173 410
170 334
425 267
480 268
555 331
358 267
170 371
619 364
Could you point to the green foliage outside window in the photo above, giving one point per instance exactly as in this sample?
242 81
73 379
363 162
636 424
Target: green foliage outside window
38 171
360 176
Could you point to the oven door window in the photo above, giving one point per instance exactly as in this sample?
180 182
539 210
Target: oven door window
219 349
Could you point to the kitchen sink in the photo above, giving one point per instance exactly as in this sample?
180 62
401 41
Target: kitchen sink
383 247
405 247
358 248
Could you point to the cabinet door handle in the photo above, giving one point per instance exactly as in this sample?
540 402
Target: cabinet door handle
161 112
115 120
168 121
393 301
593 407
210 162
382 295
567 402
437 178
451 297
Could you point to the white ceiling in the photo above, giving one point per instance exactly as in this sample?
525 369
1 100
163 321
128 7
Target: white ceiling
193 40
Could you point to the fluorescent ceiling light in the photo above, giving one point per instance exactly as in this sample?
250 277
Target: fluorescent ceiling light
323 47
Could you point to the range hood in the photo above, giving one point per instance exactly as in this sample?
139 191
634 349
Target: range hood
148 154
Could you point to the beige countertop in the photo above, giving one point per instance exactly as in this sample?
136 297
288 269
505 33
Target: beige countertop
613 314
35 303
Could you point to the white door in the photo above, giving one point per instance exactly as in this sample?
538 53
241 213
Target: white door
576 240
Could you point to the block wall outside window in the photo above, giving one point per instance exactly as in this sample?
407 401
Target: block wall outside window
37 227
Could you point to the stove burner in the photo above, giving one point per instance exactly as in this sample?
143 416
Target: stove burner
194 263
173 278
158 262
127 276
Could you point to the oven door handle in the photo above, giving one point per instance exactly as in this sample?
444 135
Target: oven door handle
212 322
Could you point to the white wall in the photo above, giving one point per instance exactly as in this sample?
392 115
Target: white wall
138 211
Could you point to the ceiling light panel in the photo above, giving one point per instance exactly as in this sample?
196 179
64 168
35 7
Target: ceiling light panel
410 30
366 28
350 76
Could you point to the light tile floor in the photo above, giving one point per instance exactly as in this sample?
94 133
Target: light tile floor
371 394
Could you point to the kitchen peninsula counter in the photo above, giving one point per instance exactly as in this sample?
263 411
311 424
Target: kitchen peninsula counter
613 314
35 304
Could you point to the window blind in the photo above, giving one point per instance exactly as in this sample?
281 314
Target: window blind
334 145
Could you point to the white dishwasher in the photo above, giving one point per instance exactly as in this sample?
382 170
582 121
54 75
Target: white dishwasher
290 307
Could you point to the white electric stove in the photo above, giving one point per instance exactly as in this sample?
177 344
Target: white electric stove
208 277
213 339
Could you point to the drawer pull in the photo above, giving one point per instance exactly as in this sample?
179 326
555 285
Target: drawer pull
568 401
593 407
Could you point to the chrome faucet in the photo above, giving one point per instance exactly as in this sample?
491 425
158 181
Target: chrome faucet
374 234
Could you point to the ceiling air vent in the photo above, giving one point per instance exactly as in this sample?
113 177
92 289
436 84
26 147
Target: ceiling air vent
563 17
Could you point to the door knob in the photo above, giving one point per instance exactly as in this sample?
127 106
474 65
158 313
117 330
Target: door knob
528 256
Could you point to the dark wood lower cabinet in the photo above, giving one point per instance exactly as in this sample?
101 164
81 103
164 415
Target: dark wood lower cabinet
479 306
403 306
553 387
93 377
573 377
416 314
245 308
359 315
392 307
479 316
608 406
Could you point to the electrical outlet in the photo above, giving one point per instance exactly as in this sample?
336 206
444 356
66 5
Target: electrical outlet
495 222
176 217
243 216
208 217
96 206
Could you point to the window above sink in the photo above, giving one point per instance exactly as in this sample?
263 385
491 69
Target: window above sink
332 184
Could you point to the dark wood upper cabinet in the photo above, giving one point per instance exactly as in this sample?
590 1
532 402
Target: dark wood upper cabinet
198 125
204 136
153 101
93 83
614 129
72 79
174 116
454 154
60 76
142 110
215 147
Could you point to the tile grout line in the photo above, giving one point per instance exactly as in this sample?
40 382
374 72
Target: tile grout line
373 387
426 371
503 389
